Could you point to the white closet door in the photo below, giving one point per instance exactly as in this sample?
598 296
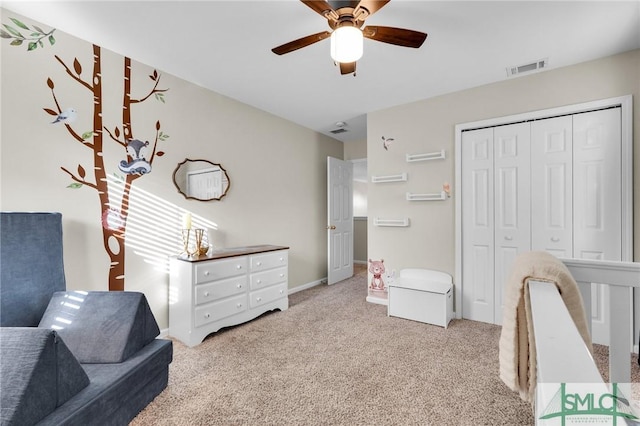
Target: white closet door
551 186
512 203
597 201
477 223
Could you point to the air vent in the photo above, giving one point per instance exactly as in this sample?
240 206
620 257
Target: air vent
338 131
527 68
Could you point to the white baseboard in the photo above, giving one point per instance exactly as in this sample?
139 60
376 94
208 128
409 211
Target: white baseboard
164 333
361 262
307 285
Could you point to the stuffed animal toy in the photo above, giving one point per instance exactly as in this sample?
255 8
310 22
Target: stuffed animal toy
376 267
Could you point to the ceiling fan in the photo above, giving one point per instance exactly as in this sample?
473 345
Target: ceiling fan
346 19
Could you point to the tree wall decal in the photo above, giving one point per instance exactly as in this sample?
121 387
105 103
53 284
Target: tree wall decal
114 204
138 163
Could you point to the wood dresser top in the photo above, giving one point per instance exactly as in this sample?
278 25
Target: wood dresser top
233 252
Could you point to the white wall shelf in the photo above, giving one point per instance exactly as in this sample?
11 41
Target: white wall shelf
425 157
391 222
401 177
427 197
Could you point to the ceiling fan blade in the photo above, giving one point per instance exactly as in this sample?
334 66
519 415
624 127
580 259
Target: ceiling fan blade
300 43
347 68
372 6
320 7
397 36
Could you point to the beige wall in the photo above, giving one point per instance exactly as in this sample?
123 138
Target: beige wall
355 150
428 126
272 199
360 240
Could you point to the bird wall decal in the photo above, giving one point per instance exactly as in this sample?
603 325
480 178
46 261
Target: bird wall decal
386 142
67 116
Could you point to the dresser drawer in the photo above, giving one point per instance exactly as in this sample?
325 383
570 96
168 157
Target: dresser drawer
218 310
268 278
215 270
260 297
263 262
209 292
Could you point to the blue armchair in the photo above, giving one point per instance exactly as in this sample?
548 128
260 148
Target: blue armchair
69 357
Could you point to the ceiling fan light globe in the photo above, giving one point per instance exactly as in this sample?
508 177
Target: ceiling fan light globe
346 44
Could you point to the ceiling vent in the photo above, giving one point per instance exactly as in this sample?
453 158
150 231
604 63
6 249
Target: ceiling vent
338 131
527 68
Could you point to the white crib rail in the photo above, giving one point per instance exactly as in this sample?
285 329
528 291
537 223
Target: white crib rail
561 354
621 277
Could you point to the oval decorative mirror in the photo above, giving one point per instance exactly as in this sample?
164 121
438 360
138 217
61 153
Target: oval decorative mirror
201 180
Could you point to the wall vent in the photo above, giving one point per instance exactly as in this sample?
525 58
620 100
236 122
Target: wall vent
338 131
527 68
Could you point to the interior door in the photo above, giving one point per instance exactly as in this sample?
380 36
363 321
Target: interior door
597 220
477 224
512 164
552 186
339 219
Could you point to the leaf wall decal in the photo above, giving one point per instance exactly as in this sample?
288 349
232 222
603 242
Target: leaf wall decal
77 67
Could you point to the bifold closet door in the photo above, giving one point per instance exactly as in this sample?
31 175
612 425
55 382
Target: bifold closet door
512 213
597 220
552 186
496 214
477 225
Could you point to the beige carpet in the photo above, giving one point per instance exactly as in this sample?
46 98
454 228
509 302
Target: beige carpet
334 359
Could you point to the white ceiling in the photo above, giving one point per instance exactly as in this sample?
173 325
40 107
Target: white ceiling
226 46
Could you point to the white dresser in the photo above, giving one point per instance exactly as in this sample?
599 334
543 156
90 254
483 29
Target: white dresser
228 287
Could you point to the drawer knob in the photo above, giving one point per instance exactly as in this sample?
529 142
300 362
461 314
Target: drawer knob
239 305
207 315
258 263
258 299
282 275
206 273
238 266
281 291
282 259
206 294
508 237
555 239
258 281
239 285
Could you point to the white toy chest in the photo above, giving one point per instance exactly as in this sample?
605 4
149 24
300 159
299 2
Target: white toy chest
422 295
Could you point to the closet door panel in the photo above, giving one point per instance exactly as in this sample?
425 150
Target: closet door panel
512 202
477 225
551 186
598 201
597 181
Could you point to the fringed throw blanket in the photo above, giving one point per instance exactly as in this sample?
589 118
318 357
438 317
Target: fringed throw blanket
517 344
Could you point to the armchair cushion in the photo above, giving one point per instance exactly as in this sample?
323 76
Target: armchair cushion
101 326
38 373
31 266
